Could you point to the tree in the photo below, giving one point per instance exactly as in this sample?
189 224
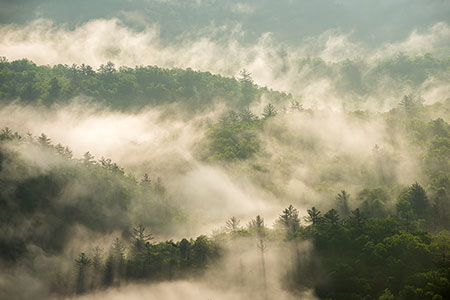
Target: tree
82 262
357 218
314 216
248 116
184 246
410 103
87 70
6 134
109 165
55 89
44 140
118 260
269 111
30 92
88 158
248 89
245 76
262 249
232 224
418 199
405 214
233 116
108 277
257 226
296 105
387 295
109 68
440 247
158 187
290 221
331 217
342 199
97 266
140 235
374 202
146 181
97 258
201 251
140 253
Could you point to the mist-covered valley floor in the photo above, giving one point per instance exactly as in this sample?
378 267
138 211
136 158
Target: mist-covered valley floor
146 153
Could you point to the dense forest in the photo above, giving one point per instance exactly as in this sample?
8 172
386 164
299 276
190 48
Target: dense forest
29 83
77 224
355 81
224 150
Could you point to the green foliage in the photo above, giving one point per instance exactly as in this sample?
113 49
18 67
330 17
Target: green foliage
290 221
416 198
125 88
269 111
144 261
314 216
374 202
234 138
382 249
387 295
44 206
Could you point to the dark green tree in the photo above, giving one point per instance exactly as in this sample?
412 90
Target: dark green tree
342 200
290 221
257 226
269 111
417 198
314 216
82 262
331 217
54 91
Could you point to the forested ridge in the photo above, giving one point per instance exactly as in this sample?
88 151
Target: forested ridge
352 80
368 252
377 225
141 86
224 150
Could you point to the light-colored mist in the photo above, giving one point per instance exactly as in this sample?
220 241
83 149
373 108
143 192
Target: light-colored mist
146 142
174 290
271 63
310 155
237 275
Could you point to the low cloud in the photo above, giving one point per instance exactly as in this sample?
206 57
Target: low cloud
435 39
217 49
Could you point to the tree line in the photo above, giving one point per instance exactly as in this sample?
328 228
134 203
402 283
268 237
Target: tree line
125 88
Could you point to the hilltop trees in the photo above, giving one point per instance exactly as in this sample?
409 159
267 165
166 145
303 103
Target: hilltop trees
290 221
386 241
417 198
125 88
232 224
269 111
257 226
314 216
82 262
342 204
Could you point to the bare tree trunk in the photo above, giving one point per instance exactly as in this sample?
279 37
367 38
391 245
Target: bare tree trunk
262 248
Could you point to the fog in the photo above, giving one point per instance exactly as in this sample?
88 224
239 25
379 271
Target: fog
271 63
182 289
290 21
237 276
300 149
311 154
154 186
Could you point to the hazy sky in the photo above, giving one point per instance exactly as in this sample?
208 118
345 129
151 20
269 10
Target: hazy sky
290 21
